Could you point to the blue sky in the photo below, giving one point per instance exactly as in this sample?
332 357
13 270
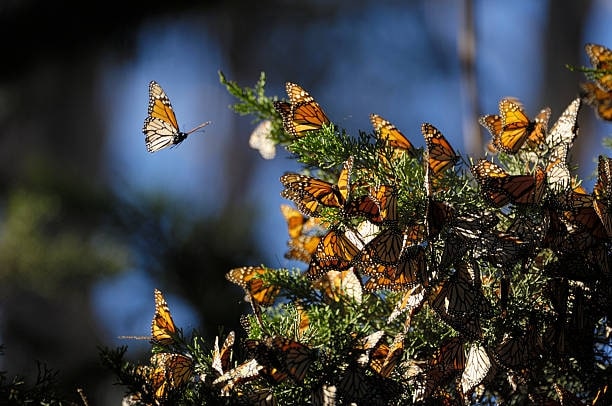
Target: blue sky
385 61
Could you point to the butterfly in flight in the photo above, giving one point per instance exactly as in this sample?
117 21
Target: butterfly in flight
302 113
160 128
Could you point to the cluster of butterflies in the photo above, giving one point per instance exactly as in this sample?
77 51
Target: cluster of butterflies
171 366
598 92
431 254
383 251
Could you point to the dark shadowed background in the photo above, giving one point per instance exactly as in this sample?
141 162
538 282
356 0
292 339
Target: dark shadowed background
91 222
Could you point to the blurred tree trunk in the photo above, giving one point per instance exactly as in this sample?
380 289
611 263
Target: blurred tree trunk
564 45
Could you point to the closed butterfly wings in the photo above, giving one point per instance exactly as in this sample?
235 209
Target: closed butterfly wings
161 128
163 329
302 113
601 59
392 136
258 290
441 154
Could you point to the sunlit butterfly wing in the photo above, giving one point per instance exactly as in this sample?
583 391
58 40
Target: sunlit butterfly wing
310 193
335 252
295 220
170 371
406 273
517 127
389 133
163 329
384 358
450 357
302 114
244 372
600 100
601 59
562 134
160 128
337 285
441 153
501 188
477 367
221 357
250 279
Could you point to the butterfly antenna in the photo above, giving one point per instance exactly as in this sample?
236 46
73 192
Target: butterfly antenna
199 127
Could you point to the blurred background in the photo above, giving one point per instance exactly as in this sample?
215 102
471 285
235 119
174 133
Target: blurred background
91 223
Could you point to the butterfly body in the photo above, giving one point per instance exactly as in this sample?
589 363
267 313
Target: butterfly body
161 128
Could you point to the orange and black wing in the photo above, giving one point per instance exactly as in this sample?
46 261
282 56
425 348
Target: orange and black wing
441 153
250 278
163 329
302 114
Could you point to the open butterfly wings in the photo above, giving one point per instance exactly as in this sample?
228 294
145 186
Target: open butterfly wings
161 128
512 128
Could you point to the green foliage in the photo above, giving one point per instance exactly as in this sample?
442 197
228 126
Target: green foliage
527 297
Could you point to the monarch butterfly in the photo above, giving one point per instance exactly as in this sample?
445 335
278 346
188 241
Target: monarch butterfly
441 154
501 188
250 279
391 135
336 251
384 358
560 138
600 100
170 371
603 187
303 233
410 301
512 127
302 247
302 114
284 354
295 220
310 193
160 128
163 329
477 367
221 357
385 197
406 273
457 296
337 285
601 59
439 213
603 194
450 357
324 395
246 371
515 352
